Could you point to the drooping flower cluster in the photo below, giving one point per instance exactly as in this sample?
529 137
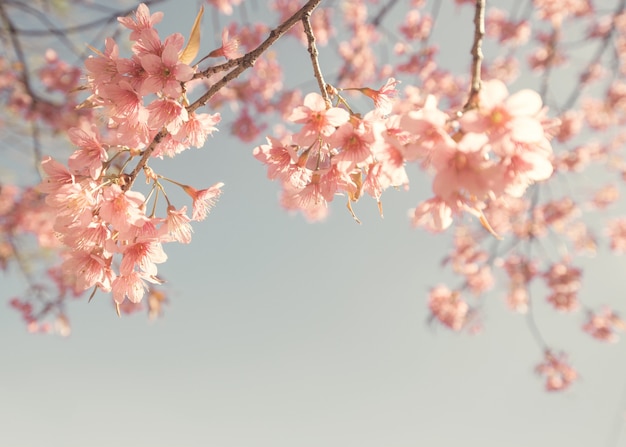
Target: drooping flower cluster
496 149
558 374
113 243
333 152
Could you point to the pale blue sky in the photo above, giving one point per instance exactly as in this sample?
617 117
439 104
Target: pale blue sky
282 333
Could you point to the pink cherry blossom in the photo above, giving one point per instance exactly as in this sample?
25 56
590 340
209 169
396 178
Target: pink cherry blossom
229 48
384 96
317 119
448 307
434 214
122 209
224 6
558 374
603 325
203 200
142 20
91 153
131 286
165 72
177 224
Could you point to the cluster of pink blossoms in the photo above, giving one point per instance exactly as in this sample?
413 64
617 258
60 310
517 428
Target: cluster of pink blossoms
494 150
111 241
334 152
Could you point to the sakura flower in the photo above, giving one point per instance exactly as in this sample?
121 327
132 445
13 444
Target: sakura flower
195 130
317 119
167 113
416 27
57 175
177 224
383 97
355 142
203 200
245 127
558 373
463 167
145 256
617 234
448 307
434 214
281 159
564 281
90 155
603 325
122 208
90 269
165 72
103 68
142 20
229 48
131 286
224 6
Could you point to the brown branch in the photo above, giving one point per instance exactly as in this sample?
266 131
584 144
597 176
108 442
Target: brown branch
306 21
241 64
383 12
477 54
573 97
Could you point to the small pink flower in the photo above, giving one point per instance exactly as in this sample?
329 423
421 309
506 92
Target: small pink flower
558 373
57 175
617 234
177 224
142 20
131 286
604 325
448 307
195 130
355 142
564 282
383 97
165 72
203 200
122 209
317 119
145 256
224 6
90 269
90 155
229 48
167 113
434 214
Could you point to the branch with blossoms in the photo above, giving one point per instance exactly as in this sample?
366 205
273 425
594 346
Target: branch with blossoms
483 148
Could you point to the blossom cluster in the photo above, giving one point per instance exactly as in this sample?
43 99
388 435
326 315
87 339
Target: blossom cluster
112 241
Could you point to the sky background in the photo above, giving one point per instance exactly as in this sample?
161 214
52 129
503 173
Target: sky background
281 333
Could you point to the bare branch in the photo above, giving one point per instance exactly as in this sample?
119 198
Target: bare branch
306 21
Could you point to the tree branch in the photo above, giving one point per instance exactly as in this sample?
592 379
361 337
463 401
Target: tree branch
306 21
477 54
241 64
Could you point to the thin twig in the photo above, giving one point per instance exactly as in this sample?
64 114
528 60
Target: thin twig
383 12
306 21
477 54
